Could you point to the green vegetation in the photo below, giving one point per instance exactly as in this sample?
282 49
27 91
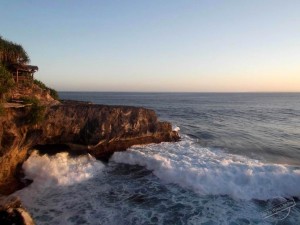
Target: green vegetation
11 53
6 82
52 92
36 114
37 111
27 100
40 84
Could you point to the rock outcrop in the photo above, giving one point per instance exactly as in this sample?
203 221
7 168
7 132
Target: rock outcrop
32 90
78 128
12 212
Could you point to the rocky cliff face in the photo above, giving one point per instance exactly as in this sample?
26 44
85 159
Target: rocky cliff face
78 128
31 90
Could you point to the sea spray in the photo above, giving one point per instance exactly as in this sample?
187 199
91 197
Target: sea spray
167 183
257 126
207 172
60 169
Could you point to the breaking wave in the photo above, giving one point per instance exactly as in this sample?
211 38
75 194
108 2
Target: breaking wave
187 184
214 172
60 169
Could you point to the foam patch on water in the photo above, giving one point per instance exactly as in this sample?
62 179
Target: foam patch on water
60 169
214 172
175 128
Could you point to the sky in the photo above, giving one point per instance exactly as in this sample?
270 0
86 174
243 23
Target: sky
159 46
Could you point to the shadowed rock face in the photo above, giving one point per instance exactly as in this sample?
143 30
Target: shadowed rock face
78 128
12 212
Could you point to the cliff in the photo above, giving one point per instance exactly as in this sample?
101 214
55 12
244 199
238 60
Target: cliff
78 128
32 118
32 90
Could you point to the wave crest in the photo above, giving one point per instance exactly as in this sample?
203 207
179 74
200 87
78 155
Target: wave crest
207 172
60 169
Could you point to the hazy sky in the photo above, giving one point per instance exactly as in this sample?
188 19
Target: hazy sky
159 45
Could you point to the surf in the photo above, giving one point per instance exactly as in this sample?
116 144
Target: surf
215 172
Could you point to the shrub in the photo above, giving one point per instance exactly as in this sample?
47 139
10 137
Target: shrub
27 83
40 84
6 81
53 93
36 114
37 111
12 53
28 100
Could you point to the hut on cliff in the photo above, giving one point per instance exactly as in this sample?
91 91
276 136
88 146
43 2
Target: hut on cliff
22 72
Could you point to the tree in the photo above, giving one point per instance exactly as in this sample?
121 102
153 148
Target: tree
11 53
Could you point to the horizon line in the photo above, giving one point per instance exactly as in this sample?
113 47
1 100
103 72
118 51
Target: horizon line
221 92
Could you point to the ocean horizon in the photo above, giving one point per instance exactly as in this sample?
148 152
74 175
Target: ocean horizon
150 112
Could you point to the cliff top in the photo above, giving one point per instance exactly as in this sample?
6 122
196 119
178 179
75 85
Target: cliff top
17 82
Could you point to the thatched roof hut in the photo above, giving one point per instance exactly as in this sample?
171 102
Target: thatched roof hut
22 71
24 68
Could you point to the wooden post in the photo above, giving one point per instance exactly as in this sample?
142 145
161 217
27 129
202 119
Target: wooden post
17 76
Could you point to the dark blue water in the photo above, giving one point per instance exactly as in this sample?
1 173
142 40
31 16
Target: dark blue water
262 126
237 161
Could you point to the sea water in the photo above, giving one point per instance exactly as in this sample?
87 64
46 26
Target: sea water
238 157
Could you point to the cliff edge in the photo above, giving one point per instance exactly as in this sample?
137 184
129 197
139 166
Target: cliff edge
77 128
31 117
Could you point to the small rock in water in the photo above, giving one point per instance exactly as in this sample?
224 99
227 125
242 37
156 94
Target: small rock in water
12 212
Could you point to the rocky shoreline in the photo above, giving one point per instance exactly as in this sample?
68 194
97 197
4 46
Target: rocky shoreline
12 212
32 117
77 128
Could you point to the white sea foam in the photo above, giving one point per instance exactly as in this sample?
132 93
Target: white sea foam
60 169
175 128
53 195
82 190
207 172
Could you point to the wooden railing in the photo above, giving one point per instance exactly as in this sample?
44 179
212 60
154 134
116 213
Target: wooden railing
23 79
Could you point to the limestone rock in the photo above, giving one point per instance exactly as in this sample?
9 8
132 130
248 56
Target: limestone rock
77 128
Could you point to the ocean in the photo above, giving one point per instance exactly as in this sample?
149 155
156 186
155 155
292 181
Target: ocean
238 162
